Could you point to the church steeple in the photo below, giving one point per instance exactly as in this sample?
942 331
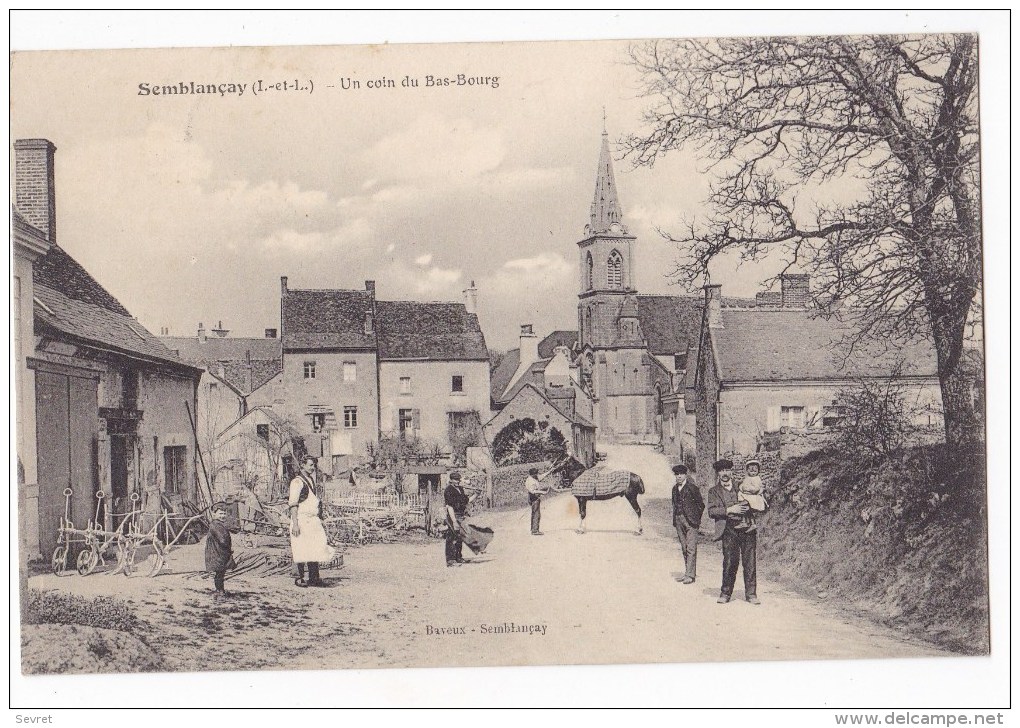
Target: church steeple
605 207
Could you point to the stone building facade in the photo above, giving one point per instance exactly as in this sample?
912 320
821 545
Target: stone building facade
779 367
356 369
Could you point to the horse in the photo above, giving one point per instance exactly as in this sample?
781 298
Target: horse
587 485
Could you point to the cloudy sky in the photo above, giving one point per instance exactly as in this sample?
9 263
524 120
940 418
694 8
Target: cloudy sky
189 208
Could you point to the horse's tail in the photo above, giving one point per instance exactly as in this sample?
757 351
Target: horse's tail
636 484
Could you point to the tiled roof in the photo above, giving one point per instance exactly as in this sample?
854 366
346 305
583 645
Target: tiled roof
535 376
500 377
101 325
766 345
335 319
216 349
562 404
547 346
433 330
59 271
326 319
671 323
232 355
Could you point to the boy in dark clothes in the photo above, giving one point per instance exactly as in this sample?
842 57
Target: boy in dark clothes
219 557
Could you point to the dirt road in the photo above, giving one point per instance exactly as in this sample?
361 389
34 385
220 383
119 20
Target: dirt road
608 596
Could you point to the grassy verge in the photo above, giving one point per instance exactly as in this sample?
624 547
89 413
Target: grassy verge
904 541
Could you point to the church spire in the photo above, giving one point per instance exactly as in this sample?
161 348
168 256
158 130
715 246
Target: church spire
605 208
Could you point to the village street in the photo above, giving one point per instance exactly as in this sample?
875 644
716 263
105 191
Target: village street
608 596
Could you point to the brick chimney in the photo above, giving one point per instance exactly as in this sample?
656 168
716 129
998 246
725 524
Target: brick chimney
201 333
471 298
34 193
283 285
796 290
713 305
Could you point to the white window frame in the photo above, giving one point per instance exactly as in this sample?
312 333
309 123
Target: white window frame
405 385
351 369
350 417
786 413
309 369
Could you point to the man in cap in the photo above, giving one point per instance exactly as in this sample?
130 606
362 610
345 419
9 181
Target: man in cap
456 508
536 490
738 546
688 507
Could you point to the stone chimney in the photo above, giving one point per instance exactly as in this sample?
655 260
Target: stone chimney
370 287
471 298
34 193
220 331
283 285
796 290
201 333
713 305
270 333
529 345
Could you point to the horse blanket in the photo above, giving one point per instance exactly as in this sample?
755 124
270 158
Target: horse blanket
600 482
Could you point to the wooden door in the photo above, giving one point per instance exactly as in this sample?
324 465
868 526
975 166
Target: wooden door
67 421
52 428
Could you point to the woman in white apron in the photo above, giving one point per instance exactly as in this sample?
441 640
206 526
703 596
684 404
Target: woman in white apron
307 536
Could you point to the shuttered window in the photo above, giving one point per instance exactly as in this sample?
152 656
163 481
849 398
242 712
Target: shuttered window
615 271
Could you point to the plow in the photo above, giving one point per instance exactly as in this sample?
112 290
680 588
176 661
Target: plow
130 542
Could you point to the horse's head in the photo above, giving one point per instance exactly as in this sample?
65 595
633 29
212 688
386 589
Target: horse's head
569 467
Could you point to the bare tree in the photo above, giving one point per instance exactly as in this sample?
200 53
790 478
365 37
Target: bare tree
854 159
274 440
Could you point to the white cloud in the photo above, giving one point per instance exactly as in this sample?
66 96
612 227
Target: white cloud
423 260
552 264
402 281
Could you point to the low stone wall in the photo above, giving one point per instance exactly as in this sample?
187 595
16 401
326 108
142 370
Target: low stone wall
797 443
508 484
769 460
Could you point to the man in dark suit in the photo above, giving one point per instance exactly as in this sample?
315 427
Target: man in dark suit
738 545
456 501
688 507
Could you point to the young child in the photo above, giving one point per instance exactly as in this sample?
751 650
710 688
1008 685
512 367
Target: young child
219 557
750 490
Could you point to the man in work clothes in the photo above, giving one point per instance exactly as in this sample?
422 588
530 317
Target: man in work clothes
738 546
688 507
535 492
456 508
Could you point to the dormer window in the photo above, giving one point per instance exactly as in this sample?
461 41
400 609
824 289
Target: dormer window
615 270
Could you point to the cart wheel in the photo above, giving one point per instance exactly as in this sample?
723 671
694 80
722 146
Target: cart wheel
158 557
58 562
87 560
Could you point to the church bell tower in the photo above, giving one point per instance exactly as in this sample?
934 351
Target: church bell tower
606 261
